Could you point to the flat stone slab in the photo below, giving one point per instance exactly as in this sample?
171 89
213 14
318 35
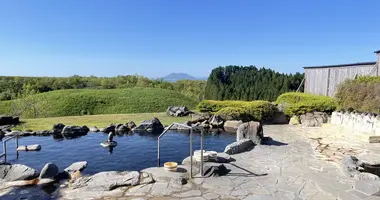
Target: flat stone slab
179 177
77 166
34 147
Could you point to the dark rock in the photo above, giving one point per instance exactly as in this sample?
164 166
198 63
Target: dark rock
200 117
57 128
50 170
279 118
86 129
94 129
239 146
44 133
107 129
74 131
177 111
130 125
250 130
122 128
8 120
232 126
153 125
16 172
216 121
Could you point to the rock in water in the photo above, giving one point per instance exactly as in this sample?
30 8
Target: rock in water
239 146
49 171
17 172
250 130
121 128
74 131
232 126
57 128
77 166
34 147
94 129
105 181
153 125
107 129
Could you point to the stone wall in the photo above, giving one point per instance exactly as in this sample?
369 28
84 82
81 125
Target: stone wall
358 123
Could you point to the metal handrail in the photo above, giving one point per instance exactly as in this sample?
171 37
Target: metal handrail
191 146
4 154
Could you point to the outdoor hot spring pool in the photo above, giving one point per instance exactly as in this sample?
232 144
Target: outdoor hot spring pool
135 151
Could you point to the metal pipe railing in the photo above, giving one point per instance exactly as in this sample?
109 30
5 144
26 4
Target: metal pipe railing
191 146
4 154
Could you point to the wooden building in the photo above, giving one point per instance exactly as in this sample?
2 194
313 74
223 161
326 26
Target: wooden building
323 80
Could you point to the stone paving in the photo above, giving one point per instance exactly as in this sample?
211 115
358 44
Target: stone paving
299 163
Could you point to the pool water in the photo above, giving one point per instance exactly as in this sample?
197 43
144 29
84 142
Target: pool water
135 151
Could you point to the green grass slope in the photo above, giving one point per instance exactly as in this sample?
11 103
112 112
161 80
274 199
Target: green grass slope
108 101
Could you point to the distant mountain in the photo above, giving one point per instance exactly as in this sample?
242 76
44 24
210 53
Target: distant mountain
180 76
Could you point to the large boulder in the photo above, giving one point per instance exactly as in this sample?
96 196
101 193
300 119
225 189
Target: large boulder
250 130
50 170
16 172
200 117
106 181
57 128
178 111
313 119
8 120
216 121
74 131
153 125
107 129
121 128
232 126
239 146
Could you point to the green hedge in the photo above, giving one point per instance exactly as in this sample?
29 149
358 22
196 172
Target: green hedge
361 94
239 110
296 103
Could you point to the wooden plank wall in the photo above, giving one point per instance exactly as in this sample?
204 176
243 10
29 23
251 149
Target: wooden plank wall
324 81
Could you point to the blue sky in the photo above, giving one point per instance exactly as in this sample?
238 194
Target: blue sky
157 37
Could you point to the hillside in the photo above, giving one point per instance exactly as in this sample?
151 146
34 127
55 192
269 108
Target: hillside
96 101
173 77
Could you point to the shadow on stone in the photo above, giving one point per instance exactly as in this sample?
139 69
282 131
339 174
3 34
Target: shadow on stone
247 174
270 142
182 170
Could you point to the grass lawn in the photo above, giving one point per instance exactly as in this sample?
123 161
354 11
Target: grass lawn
96 120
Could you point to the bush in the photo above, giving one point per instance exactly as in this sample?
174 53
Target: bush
296 103
239 110
97 101
361 94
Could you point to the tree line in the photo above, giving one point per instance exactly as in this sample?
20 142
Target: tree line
18 87
249 83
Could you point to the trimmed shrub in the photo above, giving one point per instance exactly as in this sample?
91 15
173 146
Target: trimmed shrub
242 110
296 103
361 94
